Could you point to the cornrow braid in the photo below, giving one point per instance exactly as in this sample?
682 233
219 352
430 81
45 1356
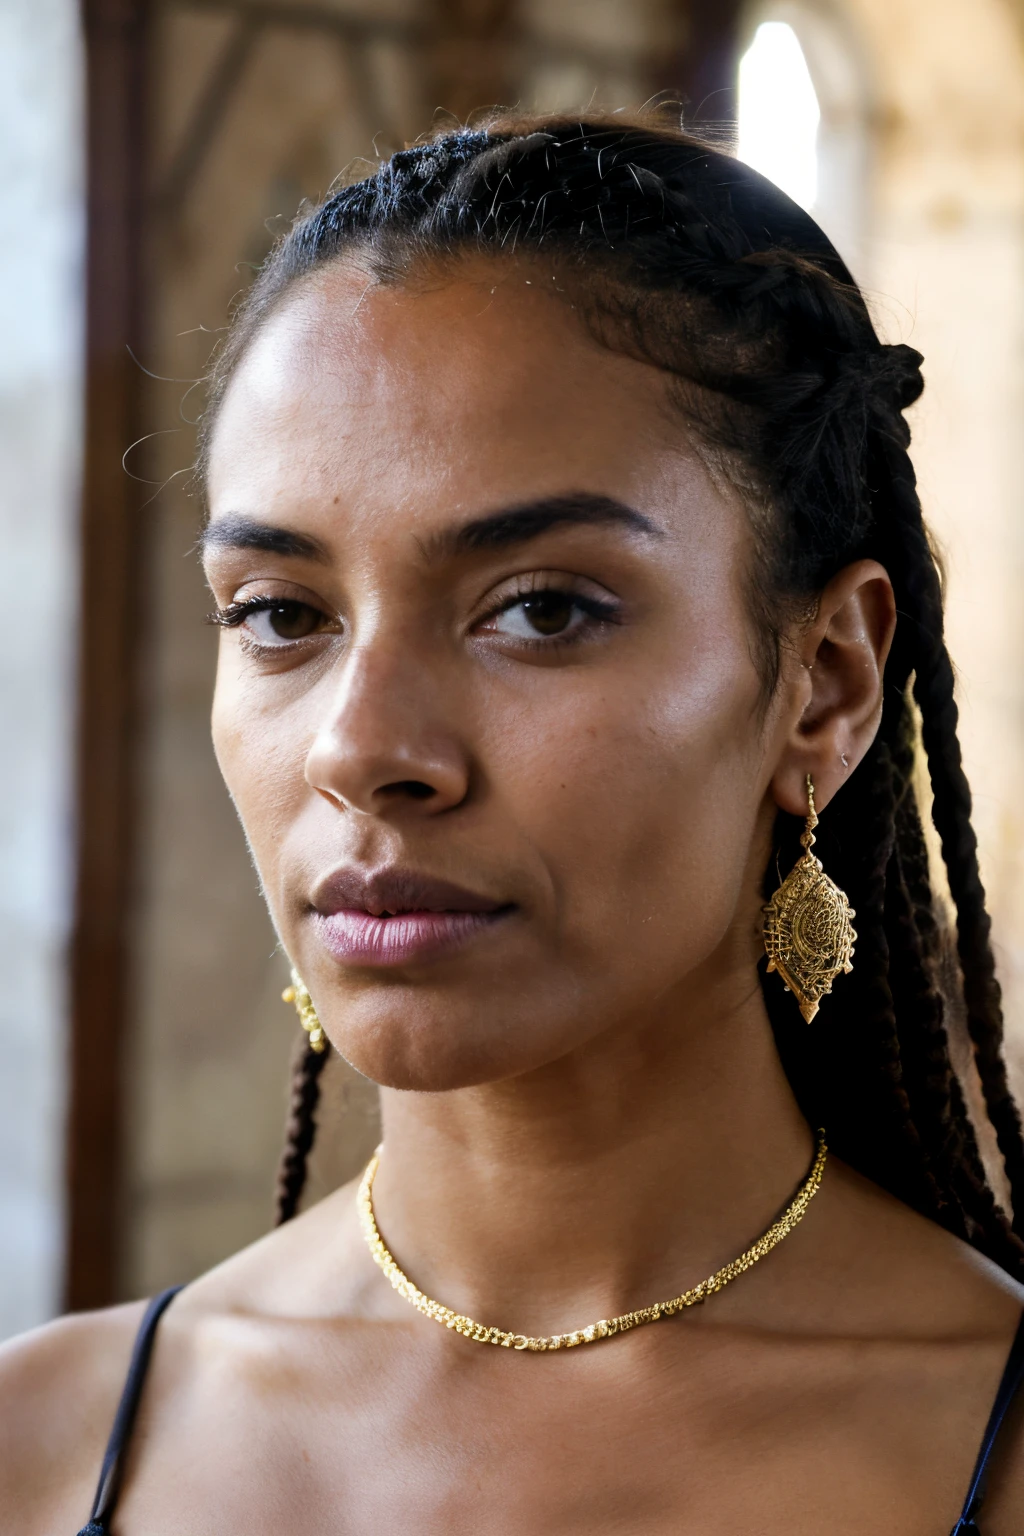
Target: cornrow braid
688 260
307 1065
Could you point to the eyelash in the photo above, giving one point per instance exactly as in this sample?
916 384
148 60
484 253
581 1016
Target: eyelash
601 611
233 614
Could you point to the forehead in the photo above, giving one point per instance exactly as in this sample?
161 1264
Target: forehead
475 386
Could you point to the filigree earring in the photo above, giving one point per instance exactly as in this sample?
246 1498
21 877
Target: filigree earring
298 994
807 931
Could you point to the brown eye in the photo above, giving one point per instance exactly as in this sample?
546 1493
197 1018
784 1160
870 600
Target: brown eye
549 613
278 623
292 621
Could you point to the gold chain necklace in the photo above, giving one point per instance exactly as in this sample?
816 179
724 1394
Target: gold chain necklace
608 1326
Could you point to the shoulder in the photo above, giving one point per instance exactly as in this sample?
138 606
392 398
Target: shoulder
59 1388
60 1384
946 1317
911 1275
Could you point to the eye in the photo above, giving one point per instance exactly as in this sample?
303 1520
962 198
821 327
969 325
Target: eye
550 614
285 620
269 623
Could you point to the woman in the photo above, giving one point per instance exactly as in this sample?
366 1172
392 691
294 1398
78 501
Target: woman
567 558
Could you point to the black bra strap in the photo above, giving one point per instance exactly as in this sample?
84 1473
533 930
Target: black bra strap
1013 1376
113 1460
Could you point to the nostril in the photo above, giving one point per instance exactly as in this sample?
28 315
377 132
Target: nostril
412 789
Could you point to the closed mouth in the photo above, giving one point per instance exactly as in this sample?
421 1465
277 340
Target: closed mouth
393 917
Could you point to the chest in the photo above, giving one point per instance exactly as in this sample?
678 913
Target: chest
663 1440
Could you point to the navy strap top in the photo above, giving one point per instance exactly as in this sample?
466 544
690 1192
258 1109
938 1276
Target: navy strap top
113 1461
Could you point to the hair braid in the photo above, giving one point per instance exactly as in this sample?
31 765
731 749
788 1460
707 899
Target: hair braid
951 1119
915 932
947 1139
951 814
307 1066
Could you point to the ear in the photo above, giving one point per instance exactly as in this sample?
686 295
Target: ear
836 700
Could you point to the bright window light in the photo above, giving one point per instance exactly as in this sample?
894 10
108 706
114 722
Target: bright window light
779 113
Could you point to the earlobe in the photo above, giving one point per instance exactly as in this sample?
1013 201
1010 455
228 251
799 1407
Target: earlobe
837 711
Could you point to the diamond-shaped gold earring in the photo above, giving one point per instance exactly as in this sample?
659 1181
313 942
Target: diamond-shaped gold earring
807 930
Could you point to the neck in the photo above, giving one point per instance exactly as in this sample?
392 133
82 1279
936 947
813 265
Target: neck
612 1178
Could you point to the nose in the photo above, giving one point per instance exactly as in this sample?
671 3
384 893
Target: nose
384 745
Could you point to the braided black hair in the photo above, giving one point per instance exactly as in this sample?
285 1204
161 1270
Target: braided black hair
307 1066
694 262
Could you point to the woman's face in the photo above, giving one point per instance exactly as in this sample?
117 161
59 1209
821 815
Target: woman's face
488 708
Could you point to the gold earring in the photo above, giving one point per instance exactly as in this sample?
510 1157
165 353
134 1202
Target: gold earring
807 929
298 994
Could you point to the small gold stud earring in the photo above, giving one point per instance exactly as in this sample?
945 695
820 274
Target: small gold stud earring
808 935
298 994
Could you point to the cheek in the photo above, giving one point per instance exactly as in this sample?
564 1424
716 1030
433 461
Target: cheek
642 800
261 752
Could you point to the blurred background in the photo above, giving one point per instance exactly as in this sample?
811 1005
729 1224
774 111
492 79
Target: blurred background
149 151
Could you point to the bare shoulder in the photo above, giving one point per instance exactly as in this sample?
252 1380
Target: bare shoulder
59 1387
950 1316
912 1276
60 1384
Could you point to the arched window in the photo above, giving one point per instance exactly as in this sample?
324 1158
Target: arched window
803 114
779 112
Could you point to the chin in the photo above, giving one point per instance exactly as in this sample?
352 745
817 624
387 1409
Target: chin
433 1055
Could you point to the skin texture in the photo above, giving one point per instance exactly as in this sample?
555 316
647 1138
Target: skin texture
583 1107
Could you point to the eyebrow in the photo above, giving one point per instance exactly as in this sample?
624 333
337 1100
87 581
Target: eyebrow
234 531
515 525
496 530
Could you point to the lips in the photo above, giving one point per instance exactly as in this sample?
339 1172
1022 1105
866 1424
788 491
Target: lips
394 917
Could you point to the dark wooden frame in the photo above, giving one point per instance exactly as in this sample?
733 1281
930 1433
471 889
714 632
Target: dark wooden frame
115 34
